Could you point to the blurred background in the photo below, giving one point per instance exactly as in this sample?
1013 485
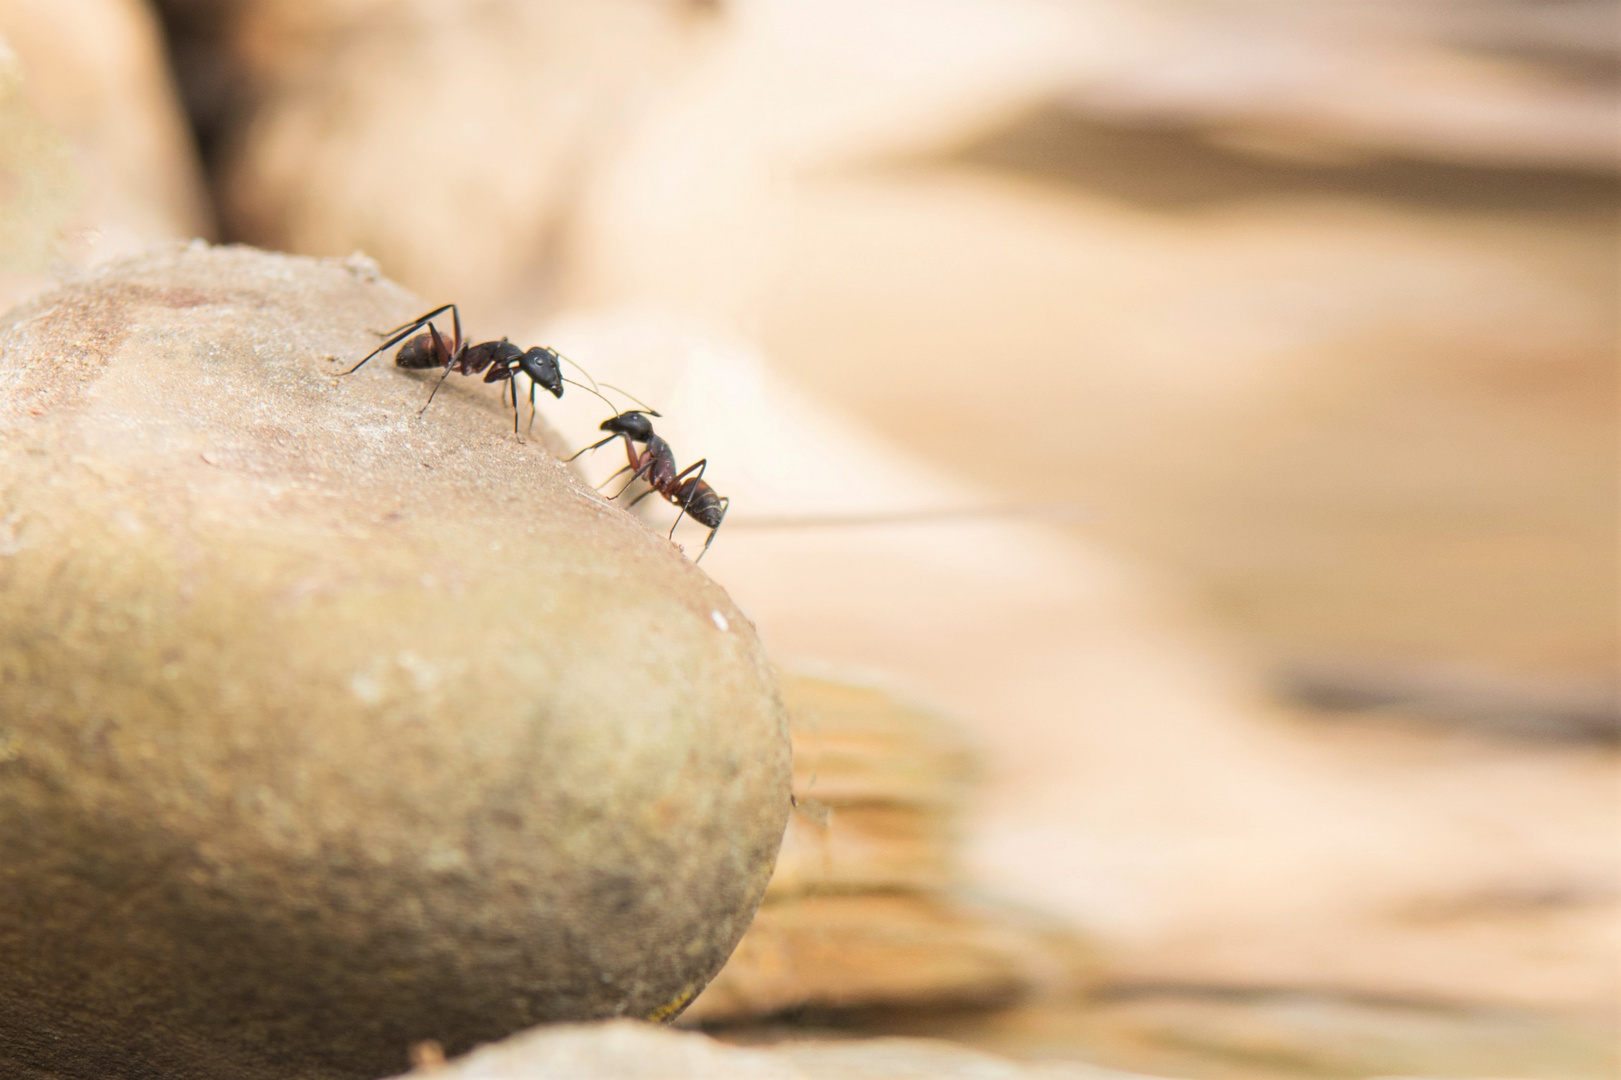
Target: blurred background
1172 450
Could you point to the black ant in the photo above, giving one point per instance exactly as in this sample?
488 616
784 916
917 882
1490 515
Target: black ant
656 464
503 359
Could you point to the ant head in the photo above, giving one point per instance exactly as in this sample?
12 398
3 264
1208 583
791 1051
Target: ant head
633 425
540 364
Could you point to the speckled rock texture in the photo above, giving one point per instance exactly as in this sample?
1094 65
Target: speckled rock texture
326 728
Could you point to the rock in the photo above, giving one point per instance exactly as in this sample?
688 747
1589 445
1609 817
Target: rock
324 728
618 1050
624 1050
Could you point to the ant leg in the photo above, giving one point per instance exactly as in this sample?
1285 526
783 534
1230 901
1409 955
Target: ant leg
406 328
593 446
725 503
639 498
435 390
509 382
530 430
617 472
400 333
645 466
700 465
446 354
441 350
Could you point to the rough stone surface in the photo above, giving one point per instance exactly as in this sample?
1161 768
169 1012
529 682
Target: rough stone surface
326 728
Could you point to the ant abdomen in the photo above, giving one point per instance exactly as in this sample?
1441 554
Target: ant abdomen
418 354
701 503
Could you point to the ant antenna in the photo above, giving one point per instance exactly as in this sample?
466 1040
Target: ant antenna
584 372
589 389
646 408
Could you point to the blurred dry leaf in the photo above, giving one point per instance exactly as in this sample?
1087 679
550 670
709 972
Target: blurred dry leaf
841 952
866 909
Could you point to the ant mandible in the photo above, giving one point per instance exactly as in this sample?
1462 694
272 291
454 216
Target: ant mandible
656 464
503 359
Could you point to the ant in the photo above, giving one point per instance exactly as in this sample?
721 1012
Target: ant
503 359
656 464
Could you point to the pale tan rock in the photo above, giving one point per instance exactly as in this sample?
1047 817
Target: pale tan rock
326 728
617 1050
624 1050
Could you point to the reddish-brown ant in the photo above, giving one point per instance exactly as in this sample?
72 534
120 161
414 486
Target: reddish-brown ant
655 463
503 359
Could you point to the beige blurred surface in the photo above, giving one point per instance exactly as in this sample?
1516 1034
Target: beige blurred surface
445 139
1492 83
1357 426
98 161
1365 410
1139 785
1355 411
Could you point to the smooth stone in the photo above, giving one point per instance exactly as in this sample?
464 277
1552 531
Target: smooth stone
326 728
625 1050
